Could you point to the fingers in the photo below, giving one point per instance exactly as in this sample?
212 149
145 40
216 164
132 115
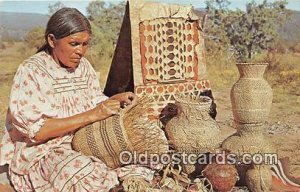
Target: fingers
132 97
111 106
126 98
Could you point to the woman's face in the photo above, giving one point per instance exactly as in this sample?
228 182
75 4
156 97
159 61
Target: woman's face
69 50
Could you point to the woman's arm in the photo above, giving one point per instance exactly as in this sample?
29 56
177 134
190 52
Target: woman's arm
56 127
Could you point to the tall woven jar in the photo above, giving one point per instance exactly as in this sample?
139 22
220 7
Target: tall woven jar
251 95
251 99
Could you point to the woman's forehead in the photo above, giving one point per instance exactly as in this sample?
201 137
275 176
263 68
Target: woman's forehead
80 36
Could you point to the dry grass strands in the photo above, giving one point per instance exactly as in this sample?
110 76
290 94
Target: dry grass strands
135 184
130 130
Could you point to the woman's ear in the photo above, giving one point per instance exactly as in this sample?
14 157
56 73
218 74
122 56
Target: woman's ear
51 40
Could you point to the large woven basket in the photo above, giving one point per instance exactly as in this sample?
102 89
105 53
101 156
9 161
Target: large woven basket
104 139
193 130
131 130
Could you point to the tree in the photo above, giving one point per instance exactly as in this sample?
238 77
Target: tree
52 8
255 29
106 20
107 17
243 32
35 37
95 10
216 39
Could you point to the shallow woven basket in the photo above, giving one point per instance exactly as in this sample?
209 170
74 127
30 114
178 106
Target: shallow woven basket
130 130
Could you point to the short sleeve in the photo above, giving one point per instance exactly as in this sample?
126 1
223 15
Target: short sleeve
31 100
94 85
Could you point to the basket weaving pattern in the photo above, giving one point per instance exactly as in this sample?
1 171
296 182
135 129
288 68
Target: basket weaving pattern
143 132
130 130
104 139
251 95
168 49
193 130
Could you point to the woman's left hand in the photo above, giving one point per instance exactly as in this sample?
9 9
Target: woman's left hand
126 98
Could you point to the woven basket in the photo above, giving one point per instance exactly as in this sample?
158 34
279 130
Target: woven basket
251 96
104 139
131 130
193 131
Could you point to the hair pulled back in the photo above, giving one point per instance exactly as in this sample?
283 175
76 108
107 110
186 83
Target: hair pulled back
63 23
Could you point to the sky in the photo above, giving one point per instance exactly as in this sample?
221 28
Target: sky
41 6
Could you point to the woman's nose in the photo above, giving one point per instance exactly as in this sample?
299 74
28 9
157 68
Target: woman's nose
79 50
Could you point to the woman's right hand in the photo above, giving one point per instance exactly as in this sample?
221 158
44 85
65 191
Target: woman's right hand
56 127
106 109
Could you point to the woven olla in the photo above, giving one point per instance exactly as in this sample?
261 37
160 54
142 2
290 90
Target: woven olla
251 95
193 130
130 130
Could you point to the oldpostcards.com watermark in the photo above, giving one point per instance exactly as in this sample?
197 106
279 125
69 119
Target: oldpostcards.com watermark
127 157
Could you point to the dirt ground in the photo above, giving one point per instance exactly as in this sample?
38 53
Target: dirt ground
283 130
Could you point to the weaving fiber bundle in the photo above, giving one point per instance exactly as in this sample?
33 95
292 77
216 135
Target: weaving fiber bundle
130 130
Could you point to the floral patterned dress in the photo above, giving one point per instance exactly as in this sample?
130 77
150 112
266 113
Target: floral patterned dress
43 89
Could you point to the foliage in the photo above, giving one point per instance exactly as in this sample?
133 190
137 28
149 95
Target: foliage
35 37
106 22
52 8
6 36
255 29
107 18
216 40
100 51
246 32
290 31
296 48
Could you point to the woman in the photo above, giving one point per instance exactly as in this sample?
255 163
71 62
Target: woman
55 92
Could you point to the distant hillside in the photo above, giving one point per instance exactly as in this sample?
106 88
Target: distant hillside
16 25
